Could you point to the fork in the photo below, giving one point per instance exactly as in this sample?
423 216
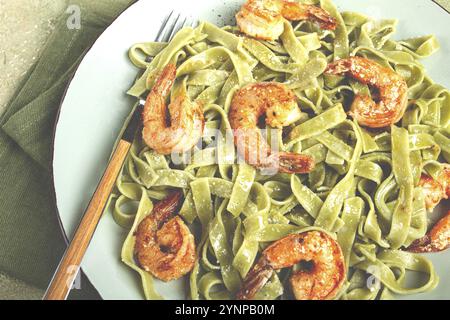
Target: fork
69 266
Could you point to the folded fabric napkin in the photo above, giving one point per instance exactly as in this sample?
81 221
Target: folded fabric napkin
445 4
31 243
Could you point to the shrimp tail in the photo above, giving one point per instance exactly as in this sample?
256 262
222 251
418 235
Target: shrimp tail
166 208
437 240
322 17
294 11
339 67
295 163
255 280
422 245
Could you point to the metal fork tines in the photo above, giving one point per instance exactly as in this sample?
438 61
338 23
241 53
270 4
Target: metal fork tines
168 27
173 23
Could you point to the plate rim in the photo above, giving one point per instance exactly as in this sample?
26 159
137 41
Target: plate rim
54 133
57 118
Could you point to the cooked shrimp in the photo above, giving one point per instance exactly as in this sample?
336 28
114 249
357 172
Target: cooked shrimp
433 190
322 281
165 247
445 178
279 104
438 239
186 118
264 19
393 91
436 190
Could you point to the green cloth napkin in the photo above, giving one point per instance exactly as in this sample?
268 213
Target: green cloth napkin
445 4
31 243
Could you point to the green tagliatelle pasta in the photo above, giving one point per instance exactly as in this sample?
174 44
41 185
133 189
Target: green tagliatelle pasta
364 190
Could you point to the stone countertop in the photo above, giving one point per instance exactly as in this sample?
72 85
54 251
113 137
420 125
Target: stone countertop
24 27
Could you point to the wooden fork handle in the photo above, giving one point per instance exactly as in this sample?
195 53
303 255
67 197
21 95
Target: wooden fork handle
68 268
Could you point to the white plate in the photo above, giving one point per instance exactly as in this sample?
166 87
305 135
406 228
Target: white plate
95 107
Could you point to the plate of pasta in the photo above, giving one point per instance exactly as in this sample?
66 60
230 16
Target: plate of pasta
289 150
